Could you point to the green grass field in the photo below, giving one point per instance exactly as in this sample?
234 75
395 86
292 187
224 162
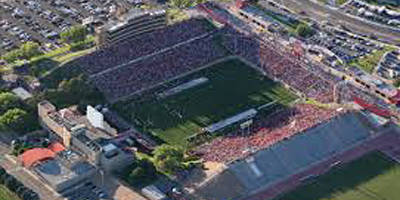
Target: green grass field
6 194
233 87
369 62
372 177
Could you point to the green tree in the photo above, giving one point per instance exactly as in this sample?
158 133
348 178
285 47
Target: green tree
15 119
397 83
29 50
303 30
140 173
7 101
11 183
181 3
29 195
74 34
77 91
25 51
3 174
12 56
168 159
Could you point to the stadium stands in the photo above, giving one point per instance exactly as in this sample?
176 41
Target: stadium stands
289 157
277 127
120 70
142 45
148 72
309 80
134 23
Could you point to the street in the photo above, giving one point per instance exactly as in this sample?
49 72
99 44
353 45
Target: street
321 13
25 176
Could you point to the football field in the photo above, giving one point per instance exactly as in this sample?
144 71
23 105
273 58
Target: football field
372 177
232 87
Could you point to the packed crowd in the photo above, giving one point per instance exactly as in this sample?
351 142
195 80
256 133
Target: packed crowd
311 81
142 45
134 77
148 72
282 125
241 45
321 91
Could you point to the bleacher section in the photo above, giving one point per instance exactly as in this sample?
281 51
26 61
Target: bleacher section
139 76
142 45
290 156
134 23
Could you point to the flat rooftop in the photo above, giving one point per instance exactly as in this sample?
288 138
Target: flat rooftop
22 93
56 173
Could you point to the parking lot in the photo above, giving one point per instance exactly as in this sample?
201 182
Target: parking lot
389 67
373 13
345 46
43 20
87 191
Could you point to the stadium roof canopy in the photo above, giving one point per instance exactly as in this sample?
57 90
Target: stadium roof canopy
287 157
32 156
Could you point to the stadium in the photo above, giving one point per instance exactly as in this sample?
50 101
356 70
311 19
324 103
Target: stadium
246 95
178 84
170 58
230 89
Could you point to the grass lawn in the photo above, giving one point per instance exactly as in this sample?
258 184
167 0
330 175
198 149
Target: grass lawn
66 71
340 2
6 194
72 55
233 87
371 177
175 15
369 62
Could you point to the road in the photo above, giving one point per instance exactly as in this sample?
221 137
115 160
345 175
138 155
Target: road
115 188
25 176
336 17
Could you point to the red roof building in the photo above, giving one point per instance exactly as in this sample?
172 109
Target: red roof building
33 156
56 147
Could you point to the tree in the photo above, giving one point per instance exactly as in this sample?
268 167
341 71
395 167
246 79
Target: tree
76 91
397 83
8 100
140 173
30 195
15 119
3 175
181 3
74 34
12 56
168 159
29 50
11 182
2 171
26 51
303 30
